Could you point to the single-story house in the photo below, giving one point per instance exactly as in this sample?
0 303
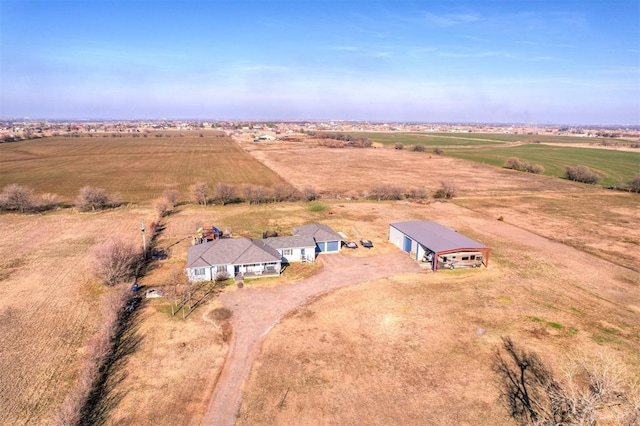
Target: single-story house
438 245
242 257
327 240
295 248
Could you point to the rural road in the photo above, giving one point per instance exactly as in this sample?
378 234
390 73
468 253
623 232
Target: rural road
256 311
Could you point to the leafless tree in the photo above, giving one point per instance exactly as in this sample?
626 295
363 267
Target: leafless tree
399 146
224 193
200 193
447 190
283 192
418 148
17 197
115 260
419 193
592 390
309 193
438 151
386 192
47 201
634 184
162 206
171 195
255 194
91 198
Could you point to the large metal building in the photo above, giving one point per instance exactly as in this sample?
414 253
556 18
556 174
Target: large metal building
438 245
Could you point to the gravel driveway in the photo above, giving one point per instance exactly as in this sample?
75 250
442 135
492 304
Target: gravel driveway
256 311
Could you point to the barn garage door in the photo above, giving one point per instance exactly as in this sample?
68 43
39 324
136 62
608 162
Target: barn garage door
406 244
333 245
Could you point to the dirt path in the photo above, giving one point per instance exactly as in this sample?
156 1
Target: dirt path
256 311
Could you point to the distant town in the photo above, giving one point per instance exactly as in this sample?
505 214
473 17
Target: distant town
16 130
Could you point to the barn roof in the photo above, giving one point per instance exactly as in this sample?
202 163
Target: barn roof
436 237
319 231
230 251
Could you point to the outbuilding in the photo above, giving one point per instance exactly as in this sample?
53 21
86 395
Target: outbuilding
327 240
438 245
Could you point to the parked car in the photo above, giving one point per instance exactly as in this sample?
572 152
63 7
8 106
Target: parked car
366 243
350 244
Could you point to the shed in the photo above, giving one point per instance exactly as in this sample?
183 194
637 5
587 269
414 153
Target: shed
438 245
327 240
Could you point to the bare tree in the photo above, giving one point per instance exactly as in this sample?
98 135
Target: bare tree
634 184
592 390
200 193
418 148
438 151
162 206
115 260
386 192
283 192
224 193
419 193
17 197
171 195
255 194
309 193
399 146
47 201
92 198
447 190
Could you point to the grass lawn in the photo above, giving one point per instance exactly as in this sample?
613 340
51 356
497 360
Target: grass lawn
614 166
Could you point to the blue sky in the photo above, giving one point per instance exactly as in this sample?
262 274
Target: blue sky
574 62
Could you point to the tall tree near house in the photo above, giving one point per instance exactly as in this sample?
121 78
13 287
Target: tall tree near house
16 197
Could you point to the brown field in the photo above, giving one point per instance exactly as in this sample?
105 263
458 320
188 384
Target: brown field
397 350
138 169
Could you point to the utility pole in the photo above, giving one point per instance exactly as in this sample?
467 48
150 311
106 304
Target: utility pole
144 240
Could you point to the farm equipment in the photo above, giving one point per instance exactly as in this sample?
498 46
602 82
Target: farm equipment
207 233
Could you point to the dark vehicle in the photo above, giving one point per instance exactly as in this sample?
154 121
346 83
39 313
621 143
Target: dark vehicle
366 243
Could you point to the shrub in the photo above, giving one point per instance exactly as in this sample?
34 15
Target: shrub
222 276
386 192
418 193
399 146
17 197
438 151
418 148
162 207
516 164
581 174
115 261
92 198
447 190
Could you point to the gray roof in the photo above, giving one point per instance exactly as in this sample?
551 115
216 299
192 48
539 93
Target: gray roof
318 231
294 241
436 237
230 251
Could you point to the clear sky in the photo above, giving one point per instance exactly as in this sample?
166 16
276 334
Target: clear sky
572 62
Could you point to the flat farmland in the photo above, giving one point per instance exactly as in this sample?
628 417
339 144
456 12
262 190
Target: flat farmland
138 168
466 139
615 167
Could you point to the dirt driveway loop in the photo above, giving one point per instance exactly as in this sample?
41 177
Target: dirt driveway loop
257 311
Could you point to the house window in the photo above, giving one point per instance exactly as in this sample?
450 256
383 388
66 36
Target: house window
221 268
287 252
199 271
465 258
473 257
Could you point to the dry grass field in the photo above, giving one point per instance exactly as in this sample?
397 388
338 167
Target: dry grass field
563 274
138 168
